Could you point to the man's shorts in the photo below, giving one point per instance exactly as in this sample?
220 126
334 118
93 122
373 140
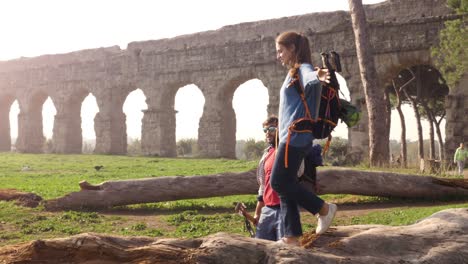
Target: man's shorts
269 225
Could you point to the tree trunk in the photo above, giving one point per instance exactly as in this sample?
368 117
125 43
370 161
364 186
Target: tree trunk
431 129
440 238
420 132
403 148
432 150
388 120
439 137
374 94
115 193
418 123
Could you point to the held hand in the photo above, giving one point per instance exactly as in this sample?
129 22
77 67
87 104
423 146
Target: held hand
255 222
323 75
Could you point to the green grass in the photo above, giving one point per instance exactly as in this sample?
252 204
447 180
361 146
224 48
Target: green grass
52 176
397 216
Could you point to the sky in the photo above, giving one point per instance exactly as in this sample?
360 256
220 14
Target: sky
31 28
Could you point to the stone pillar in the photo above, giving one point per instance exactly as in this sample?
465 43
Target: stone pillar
158 132
273 85
456 126
358 136
5 132
111 130
217 130
67 136
30 136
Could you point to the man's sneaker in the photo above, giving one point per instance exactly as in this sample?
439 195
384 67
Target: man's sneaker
325 221
283 242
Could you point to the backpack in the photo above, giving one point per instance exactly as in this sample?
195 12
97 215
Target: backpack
331 108
349 113
330 104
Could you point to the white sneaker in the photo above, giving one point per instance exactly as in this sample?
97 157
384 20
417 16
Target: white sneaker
325 221
283 242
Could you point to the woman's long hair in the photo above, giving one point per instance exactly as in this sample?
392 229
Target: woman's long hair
302 49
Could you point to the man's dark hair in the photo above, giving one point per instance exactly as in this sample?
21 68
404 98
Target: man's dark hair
271 120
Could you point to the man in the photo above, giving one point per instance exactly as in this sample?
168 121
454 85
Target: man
459 158
267 212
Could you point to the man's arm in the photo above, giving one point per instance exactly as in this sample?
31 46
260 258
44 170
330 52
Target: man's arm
258 211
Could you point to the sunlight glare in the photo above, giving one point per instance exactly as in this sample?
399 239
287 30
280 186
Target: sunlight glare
189 103
133 108
14 111
250 103
89 109
48 115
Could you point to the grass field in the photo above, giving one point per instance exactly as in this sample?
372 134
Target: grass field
52 176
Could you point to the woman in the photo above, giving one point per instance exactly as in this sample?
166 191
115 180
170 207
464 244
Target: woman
293 52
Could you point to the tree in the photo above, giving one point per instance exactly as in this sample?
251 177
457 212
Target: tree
451 54
186 147
433 102
375 97
399 100
134 147
338 151
425 88
253 149
438 109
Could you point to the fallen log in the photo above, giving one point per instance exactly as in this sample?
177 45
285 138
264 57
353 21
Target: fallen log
440 238
20 198
371 183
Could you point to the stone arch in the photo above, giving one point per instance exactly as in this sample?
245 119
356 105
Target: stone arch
159 120
14 113
398 31
109 123
49 112
133 108
218 124
88 141
68 134
391 64
388 64
426 84
188 105
253 94
30 123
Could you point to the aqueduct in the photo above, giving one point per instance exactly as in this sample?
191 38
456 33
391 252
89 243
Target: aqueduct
402 32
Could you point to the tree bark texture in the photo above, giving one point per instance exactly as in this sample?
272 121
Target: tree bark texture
430 120
440 238
403 150
115 193
439 137
414 103
376 107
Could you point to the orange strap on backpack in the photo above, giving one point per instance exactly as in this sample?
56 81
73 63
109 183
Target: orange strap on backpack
308 117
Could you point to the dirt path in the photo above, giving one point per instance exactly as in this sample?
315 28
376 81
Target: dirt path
157 218
345 209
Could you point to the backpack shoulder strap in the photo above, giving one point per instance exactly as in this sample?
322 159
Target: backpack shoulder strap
300 89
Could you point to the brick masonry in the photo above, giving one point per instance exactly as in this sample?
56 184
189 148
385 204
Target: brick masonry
218 61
